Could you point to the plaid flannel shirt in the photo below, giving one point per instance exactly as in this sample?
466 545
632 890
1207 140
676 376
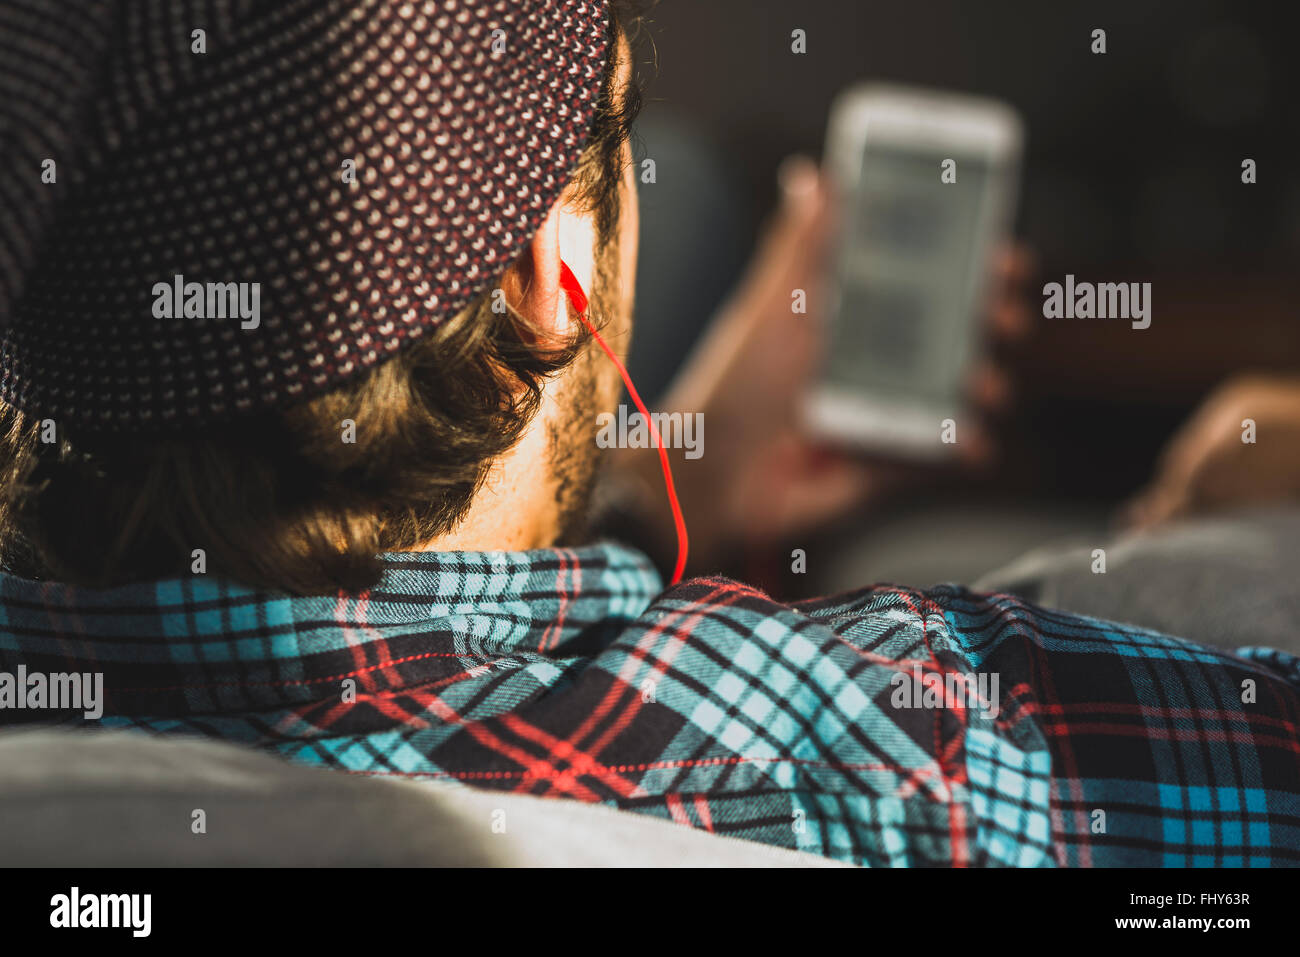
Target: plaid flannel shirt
829 725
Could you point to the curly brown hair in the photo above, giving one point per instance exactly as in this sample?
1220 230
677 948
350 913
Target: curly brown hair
278 501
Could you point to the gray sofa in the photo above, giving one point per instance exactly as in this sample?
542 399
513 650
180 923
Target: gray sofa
111 798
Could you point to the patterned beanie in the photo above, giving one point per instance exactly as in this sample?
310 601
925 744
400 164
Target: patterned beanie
214 207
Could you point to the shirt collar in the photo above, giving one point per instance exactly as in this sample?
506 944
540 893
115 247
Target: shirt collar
200 630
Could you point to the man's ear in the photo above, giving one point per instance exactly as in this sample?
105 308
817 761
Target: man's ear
532 285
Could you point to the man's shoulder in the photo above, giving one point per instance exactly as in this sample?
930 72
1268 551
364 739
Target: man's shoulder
1076 656
956 617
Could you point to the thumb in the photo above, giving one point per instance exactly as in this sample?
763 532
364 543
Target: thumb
802 222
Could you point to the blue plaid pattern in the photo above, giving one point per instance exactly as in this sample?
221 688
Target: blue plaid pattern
575 674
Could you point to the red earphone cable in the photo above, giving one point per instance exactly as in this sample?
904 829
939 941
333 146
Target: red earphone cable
569 283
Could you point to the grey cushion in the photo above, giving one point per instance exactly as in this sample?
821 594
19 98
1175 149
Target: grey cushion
1226 581
113 798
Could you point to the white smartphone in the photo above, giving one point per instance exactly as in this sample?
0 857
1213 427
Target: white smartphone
927 182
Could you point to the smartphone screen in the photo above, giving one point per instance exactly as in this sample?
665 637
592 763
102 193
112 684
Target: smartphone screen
908 275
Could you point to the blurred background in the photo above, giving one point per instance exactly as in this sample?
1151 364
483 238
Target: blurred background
1132 173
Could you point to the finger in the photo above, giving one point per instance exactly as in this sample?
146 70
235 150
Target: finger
1009 318
804 199
975 447
1015 264
990 388
793 245
798 176
805 224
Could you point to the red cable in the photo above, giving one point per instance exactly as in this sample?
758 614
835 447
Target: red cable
569 283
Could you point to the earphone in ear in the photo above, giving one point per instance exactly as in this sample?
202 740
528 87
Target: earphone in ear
578 299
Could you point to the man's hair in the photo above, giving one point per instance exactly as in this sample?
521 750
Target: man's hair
280 501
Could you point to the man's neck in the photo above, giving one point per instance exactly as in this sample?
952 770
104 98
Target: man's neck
514 510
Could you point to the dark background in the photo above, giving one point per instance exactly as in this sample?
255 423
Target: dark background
1132 173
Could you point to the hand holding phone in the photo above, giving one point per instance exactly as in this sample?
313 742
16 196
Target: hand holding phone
765 477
